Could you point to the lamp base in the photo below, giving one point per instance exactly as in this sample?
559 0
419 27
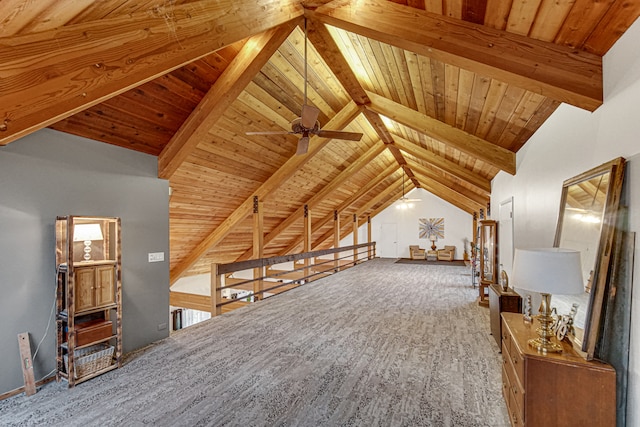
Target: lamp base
545 346
543 343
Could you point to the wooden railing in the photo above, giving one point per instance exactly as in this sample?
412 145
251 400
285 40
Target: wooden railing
282 279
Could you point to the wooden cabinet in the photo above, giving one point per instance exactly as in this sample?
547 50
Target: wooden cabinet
559 389
488 255
501 301
89 295
95 287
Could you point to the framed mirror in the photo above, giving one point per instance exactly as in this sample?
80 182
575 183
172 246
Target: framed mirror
586 222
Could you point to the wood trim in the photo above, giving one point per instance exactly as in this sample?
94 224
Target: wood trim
450 195
247 63
339 121
320 37
485 151
317 198
555 71
336 238
252 263
43 83
192 301
19 390
447 166
258 246
426 174
393 188
344 205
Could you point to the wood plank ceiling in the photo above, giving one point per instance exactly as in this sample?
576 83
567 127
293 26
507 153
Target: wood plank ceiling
444 90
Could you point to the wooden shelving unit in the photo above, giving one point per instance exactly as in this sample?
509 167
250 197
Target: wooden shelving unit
488 259
89 297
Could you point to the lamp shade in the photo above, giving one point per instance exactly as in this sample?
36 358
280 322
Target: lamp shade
549 270
85 232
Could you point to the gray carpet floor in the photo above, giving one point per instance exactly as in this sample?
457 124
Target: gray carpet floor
380 344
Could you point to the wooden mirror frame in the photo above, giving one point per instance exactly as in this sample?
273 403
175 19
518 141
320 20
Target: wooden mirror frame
603 254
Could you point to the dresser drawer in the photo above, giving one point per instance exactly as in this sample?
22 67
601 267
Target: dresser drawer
517 360
515 415
506 339
515 412
516 386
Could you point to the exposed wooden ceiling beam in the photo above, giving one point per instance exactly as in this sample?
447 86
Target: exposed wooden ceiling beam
556 71
449 195
51 75
389 192
317 225
317 198
320 37
381 129
386 193
329 50
378 125
390 170
447 166
339 121
247 63
425 174
483 150
362 220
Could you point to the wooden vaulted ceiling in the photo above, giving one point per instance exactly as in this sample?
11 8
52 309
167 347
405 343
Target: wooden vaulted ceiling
444 90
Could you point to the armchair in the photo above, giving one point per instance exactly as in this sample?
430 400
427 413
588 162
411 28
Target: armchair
447 254
415 252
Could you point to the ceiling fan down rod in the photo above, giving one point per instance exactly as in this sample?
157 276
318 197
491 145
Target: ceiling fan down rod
305 61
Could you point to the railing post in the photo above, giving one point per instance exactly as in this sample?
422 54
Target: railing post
307 239
369 251
336 240
355 238
258 247
216 291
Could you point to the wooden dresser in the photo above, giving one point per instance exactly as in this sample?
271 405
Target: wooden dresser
556 389
499 302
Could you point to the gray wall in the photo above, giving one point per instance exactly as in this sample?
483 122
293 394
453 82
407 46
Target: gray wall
50 173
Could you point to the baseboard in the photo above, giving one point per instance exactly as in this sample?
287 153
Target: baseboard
19 390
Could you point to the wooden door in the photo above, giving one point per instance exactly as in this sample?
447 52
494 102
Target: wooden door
105 283
84 288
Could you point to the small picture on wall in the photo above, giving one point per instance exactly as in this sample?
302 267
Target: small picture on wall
430 228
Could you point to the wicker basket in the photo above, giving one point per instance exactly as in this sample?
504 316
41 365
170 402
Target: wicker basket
91 359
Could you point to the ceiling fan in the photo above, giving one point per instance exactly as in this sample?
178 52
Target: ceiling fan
404 202
307 124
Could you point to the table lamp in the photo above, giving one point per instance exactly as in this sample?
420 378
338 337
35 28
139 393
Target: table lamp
87 233
546 271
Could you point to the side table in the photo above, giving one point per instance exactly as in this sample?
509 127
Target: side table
501 301
432 255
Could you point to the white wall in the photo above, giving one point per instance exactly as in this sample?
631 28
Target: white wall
573 141
457 224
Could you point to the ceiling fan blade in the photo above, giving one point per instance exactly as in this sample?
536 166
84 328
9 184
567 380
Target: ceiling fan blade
303 145
336 134
275 132
309 116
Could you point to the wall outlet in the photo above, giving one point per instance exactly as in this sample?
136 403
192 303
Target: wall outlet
156 256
